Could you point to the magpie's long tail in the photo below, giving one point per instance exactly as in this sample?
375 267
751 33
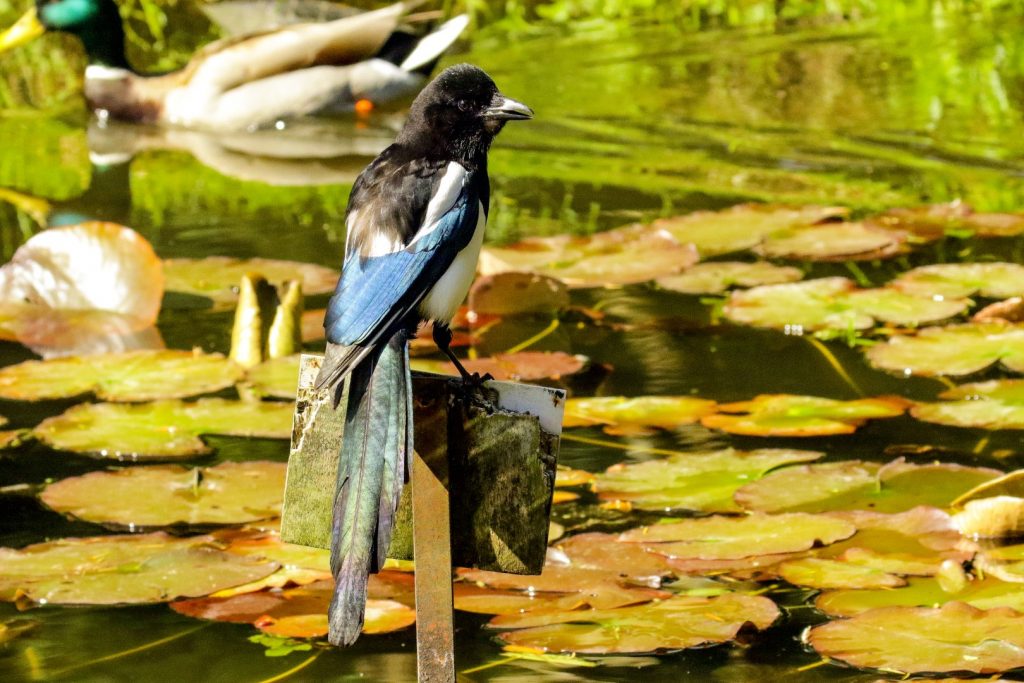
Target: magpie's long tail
374 456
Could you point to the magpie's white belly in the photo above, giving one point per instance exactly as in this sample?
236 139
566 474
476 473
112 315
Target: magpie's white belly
448 293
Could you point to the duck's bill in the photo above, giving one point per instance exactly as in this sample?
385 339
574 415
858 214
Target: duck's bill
509 110
23 31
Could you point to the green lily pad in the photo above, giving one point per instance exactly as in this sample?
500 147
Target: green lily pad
704 481
277 377
787 415
615 257
997 404
816 572
217 277
524 366
987 593
113 570
859 485
834 303
674 624
833 242
162 429
622 415
952 350
732 538
719 276
957 280
170 495
954 219
128 376
742 227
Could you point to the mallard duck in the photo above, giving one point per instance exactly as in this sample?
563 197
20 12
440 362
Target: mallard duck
247 82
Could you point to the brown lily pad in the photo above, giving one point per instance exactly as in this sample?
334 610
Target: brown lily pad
958 280
833 242
719 276
524 366
511 293
953 219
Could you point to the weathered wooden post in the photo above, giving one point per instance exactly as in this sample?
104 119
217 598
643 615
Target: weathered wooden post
480 496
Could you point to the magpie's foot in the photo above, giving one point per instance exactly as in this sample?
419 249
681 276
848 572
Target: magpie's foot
473 392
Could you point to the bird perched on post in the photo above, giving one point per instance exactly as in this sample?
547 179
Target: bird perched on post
415 223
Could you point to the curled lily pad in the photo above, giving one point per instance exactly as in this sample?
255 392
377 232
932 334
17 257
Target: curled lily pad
674 624
957 280
616 257
622 415
997 404
742 227
834 242
786 415
954 219
277 377
169 495
1003 562
953 350
129 376
162 429
717 277
111 570
983 593
995 517
858 485
835 303
524 366
704 481
217 277
731 538
954 637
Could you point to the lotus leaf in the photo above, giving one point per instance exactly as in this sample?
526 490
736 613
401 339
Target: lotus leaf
955 218
719 276
704 481
524 366
954 637
732 538
986 593
616 257
162 429
170 495
277 377
623 415
217 277
111 570
127 376
673 624
953 350
957 280
997 404
742 227
787 415
833 242
815 572
834 303
858 485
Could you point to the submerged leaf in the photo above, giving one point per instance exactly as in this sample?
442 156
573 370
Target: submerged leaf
957 280
997 404
129 376
718 276
953 350
524 366
170 495
217 277
631 415
162 429
111 570
786 415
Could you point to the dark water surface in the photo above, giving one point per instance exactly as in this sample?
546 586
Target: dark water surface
630 125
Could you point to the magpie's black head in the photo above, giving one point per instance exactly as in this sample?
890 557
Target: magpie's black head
458 114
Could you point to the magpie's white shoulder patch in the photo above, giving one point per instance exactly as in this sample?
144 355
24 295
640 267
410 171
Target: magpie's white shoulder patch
447 193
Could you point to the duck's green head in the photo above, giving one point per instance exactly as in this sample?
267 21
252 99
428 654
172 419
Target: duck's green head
96 22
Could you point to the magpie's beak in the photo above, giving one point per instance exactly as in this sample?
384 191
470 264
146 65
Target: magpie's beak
23 30
508 110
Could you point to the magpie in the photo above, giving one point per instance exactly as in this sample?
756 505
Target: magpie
415 222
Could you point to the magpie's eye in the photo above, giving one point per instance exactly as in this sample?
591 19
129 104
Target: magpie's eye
464 105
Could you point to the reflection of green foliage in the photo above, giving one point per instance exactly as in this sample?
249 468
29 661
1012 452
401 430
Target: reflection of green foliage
54 165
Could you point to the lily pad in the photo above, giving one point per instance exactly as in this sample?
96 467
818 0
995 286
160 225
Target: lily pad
1004 562
997 404
957 280
622 415
835 303
162 429
953 219
605 552
742 227
787 415
524 366
953 350
507 294
113 570
616 257
704 481
986 593
217 277
170 495
732 538
129 376
674 624
816 572
954 637
277 377
833 242
719 276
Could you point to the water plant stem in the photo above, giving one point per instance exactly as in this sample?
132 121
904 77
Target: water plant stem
128 652
527 343
294 670
836 365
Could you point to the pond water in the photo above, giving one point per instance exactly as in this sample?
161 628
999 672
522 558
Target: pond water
631 125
